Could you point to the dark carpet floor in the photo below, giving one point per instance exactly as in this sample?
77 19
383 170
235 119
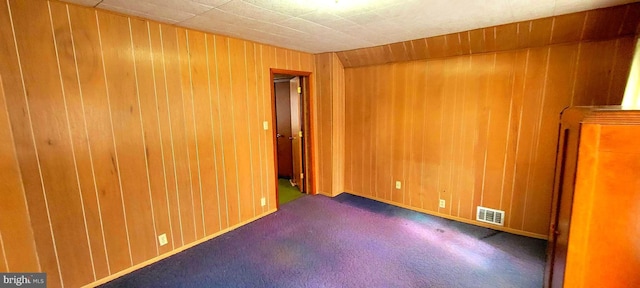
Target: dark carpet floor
349 241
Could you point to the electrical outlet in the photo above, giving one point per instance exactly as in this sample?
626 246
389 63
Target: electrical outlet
163 239
263 202
442 203
398 185
265 125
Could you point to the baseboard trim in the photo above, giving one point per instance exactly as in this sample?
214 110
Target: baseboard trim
459 219
176 251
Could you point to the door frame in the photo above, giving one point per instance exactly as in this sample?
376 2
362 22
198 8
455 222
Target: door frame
308 167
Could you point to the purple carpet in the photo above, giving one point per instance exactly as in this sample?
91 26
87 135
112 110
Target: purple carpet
350 241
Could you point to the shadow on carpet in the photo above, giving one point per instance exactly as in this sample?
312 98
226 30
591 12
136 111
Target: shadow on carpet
350 241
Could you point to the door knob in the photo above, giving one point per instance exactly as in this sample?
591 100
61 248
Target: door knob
291 138
278 135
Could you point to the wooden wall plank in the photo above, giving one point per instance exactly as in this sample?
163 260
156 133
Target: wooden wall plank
568 28
21 124
128 134
91 79
216 122
52 139
255 126
228 130
338 127
238 73
17 243
74 113
193 166
625 48
324 116
166 144
416 139
147 97
204 131
366 91
178 137
269 60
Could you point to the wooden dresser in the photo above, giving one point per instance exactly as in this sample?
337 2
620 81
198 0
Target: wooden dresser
594 237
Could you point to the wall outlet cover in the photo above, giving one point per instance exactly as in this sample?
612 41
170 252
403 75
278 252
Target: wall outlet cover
265 125
263 202
398 184
443 203
163 239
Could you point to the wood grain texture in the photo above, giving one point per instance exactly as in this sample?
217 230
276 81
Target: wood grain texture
606 188
22 131
330 118
17 243
482 132
45 101
593 25
126 129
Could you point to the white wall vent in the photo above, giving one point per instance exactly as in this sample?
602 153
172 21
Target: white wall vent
490 216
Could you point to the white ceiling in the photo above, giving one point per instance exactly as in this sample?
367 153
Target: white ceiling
328 25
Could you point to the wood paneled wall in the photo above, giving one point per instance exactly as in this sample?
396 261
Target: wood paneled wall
330 119
126 129
17 245
474 130
599 24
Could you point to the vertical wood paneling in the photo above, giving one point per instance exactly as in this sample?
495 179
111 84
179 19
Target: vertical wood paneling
21 124
86 42
255 127
324 117
238 74
52 140
156 106
482 132
216 120
126 129
177 128
204 130
337 129
269 60
17 243
147 96
192 165
174 238
228 130
74 113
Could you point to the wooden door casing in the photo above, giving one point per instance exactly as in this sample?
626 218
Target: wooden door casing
296 131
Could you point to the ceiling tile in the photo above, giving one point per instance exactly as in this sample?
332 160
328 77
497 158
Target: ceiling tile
137 13
309 27
244 9
188 6
292 8
212 3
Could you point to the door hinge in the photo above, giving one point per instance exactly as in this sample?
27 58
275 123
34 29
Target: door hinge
301 175
299 90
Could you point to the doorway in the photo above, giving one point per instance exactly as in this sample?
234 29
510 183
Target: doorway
290 95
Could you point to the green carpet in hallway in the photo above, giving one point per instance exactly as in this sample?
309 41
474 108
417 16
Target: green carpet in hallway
286 192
